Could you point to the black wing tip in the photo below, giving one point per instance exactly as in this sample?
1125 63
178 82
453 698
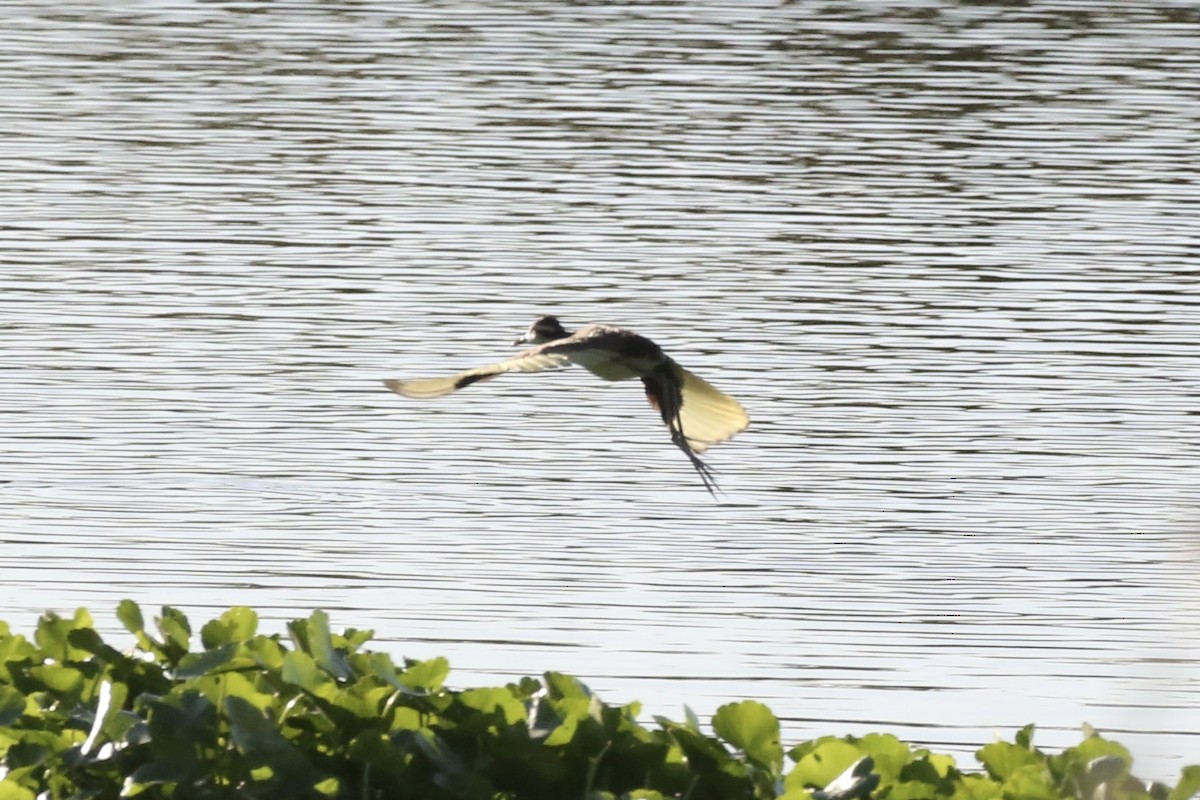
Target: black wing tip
467 380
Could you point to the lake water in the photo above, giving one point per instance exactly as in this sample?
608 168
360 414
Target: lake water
945 253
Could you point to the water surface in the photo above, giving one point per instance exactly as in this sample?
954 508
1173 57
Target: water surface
944 253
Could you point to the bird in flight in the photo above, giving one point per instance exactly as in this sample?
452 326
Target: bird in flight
696 413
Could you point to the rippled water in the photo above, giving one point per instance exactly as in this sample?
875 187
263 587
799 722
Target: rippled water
945 254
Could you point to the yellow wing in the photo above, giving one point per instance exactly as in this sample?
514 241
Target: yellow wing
529 361
707 414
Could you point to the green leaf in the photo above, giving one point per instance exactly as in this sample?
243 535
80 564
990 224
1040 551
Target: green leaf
257 736
300 669
913 790
1189 784
941 763
977 787
193 665
425 675
889 753
236 625
378 665
703 753
752 728
53 631
1030 782
174 627
130 615
1002 759
12 705
11 791
441 754
59 679
822 764
87 640
563 733
320 640
1095 747
182 735
1024 737
496 699
15 651
563 686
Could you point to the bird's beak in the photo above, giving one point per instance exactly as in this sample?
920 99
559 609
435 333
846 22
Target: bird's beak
526 339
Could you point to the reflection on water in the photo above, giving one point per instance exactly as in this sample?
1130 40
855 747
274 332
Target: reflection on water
944 254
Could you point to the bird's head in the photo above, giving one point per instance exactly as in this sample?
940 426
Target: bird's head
544 329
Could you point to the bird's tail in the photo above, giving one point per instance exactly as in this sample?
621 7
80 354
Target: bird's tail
706 414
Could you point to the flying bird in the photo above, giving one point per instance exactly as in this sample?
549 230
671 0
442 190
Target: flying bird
696 413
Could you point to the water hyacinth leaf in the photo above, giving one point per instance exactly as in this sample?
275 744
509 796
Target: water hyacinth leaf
1024 737
1079 761
12 705
858 780
175 629
564 686
249 715
441 754
246 685
14 791
822 764
406 719
1107 768
526 688
378 665
58 679
129 614
703 752
941 763
426 676
1002 759
266 651
890 754
494 699
52 632
1189 784
319 644
563 733
752 728
235 625
87 640
363 700
795 794
193 665
1030 782
301 669
15 650
977 787
183 732
257 736
578 708
355 638
919 770
909 790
